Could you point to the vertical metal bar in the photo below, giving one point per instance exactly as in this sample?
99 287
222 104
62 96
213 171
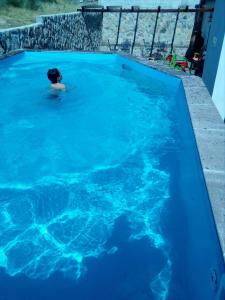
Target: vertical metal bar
109 46
153 38
174 32
118 29
135 32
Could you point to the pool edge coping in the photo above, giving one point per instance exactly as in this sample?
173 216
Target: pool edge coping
208 128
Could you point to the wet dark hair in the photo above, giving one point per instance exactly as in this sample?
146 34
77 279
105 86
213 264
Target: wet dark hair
53 75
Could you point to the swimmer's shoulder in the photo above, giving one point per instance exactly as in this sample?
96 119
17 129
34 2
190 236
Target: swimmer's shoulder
58 86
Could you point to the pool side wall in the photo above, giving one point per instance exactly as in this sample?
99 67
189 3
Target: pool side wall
209 131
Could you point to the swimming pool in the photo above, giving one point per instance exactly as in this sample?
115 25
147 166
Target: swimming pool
102 191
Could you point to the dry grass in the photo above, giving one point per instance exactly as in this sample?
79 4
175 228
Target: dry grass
12 16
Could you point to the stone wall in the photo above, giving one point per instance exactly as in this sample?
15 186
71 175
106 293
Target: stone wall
97 31
145 31
73 31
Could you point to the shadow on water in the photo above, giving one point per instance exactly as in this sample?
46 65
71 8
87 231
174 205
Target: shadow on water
53 96
123 275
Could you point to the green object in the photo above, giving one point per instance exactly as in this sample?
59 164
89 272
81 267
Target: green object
175 59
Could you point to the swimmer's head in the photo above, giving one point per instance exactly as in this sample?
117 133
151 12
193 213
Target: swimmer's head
54 75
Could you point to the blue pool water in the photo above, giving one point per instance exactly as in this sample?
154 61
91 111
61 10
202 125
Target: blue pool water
102 193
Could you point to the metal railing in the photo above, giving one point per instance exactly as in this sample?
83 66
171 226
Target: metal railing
138 11
135 9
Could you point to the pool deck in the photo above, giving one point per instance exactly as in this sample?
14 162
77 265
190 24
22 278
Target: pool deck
209 132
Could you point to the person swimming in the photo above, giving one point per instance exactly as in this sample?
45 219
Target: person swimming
55 77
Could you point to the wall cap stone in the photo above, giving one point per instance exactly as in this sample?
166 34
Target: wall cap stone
41 17
20 27
39 21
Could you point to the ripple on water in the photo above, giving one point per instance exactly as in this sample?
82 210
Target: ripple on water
54 227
